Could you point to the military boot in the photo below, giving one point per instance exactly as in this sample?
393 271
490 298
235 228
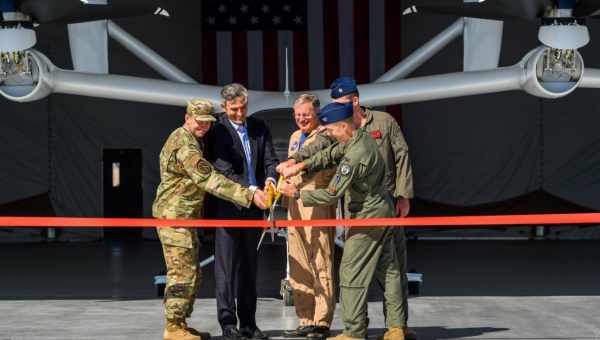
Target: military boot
394 333
203 335
176 330
343 337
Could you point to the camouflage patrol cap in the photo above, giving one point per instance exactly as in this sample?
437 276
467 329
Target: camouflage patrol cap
201 110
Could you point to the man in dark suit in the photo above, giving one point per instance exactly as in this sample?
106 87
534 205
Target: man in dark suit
241 148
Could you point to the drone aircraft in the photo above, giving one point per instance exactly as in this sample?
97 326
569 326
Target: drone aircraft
553 70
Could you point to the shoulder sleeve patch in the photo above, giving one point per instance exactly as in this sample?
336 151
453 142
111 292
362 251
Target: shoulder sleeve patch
345 169
204 167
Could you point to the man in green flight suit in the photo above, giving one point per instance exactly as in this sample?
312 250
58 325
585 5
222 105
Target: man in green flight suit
185 178
398 175
369 252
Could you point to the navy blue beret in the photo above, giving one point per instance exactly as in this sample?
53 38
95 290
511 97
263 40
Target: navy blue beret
343 86
335 112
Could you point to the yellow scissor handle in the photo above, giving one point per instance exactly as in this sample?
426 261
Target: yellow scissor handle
270 193
277 192
273 193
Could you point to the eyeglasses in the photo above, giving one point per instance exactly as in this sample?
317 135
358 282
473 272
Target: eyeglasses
303 115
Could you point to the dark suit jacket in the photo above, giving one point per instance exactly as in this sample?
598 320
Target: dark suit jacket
226 153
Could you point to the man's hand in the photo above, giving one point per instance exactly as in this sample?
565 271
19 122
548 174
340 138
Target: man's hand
284 165
292 170
288 189
259 199
402 207
270 183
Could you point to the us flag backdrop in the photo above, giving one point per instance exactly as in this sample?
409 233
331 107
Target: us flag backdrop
245 41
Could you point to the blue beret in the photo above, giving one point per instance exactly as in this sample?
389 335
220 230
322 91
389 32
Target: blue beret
343 86
335 112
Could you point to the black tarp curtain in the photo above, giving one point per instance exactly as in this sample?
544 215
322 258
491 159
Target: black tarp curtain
465 152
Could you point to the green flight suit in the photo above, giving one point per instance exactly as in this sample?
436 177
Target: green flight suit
391 144
368 252
398 174
186 176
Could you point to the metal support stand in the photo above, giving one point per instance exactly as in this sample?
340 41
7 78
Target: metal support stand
540 232
51 234
421 55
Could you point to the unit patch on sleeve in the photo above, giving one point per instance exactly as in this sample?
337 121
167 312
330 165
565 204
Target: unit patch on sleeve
345 169
204 167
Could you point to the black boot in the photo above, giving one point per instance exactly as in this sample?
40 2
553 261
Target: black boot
300 332
319 333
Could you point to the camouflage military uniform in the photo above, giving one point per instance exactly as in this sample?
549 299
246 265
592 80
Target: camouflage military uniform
369 252
398 173
185 178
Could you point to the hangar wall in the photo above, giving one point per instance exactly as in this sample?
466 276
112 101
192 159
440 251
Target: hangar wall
465 151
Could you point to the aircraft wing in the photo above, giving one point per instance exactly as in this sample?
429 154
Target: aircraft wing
489 9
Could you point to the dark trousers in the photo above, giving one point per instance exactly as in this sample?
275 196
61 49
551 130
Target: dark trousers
235 275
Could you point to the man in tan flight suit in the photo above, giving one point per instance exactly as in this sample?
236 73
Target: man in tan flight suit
310 248
369 252
393 147
185 178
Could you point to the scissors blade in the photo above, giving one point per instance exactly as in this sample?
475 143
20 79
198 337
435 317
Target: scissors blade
273 228
262 237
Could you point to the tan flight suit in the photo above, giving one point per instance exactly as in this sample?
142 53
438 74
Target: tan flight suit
311 249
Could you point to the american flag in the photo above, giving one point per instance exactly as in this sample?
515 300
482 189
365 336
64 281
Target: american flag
245 41
221 15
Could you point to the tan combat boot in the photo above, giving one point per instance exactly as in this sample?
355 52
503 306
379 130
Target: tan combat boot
409 334
343 337
176 330
190 329
394 333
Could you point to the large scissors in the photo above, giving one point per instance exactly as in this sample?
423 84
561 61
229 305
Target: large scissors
273 196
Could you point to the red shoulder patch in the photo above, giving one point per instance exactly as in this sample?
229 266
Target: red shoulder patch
376 134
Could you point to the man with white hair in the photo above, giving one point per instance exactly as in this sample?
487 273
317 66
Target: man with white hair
391 144
310 248
369 252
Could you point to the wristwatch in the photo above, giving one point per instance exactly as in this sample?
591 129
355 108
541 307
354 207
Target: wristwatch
297 195
251 190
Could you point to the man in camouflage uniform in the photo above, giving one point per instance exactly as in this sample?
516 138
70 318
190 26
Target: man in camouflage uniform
392 146
185 178
369 251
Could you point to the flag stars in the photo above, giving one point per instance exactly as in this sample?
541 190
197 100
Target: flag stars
252 15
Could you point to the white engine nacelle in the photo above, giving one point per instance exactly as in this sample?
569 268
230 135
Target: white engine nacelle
552 73
24 76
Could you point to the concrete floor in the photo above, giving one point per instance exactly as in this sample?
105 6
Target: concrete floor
431 317
473 290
